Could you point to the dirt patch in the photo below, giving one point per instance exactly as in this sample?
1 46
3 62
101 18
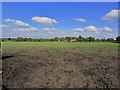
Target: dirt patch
75 69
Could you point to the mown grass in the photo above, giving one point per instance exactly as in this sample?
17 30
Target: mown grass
58 46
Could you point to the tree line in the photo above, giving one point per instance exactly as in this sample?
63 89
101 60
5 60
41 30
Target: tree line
63 39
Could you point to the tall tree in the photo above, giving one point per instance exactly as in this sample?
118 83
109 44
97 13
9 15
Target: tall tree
80 38
118 39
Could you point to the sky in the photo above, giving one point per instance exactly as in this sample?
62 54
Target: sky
60 0
52 19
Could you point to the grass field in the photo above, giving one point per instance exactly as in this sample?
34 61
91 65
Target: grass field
58 46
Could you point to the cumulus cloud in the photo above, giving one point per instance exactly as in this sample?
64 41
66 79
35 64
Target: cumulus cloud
113 14
91 28
4 26
80 19
56 33
107 29
78 29
44 20
97 32
75 33
49 29
26 29
17 22
110 34
52 34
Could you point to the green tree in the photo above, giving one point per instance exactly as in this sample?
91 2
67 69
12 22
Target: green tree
103 40
29 39
118 39
56 39
9 39
90 39
25 39
19 39
51 39
80 39
68 38
62 39
97 40
110 39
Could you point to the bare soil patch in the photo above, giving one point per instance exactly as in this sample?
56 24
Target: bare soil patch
75 69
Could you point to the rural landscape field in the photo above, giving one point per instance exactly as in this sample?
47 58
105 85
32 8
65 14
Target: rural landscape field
60 64
60 45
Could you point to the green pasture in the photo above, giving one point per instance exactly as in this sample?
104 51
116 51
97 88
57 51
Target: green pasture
58 46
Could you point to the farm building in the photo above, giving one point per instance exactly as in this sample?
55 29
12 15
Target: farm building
73 40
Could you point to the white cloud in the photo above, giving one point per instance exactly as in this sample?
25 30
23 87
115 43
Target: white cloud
97 32
75 33
91 28
44 20
78 29
110 34
17 22
26 29
80 19
52 34
113 14
9 20
49 29
4 26
57 33
107 29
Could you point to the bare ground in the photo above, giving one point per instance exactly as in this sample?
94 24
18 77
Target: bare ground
75 69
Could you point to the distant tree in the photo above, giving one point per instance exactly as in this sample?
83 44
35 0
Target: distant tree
97 40
42 39
103 40
80 38
73 37
51 39
110 39
62 39
118 39
19 39
14 39
9 39
29 39
90 39
68 38
35 40
3 39
56 39
25 39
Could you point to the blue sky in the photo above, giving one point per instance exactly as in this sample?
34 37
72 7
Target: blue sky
51 19
60 0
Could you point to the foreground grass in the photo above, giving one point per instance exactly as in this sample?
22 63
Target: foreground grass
58 46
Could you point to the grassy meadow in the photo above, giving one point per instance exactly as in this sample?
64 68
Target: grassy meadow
58 46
